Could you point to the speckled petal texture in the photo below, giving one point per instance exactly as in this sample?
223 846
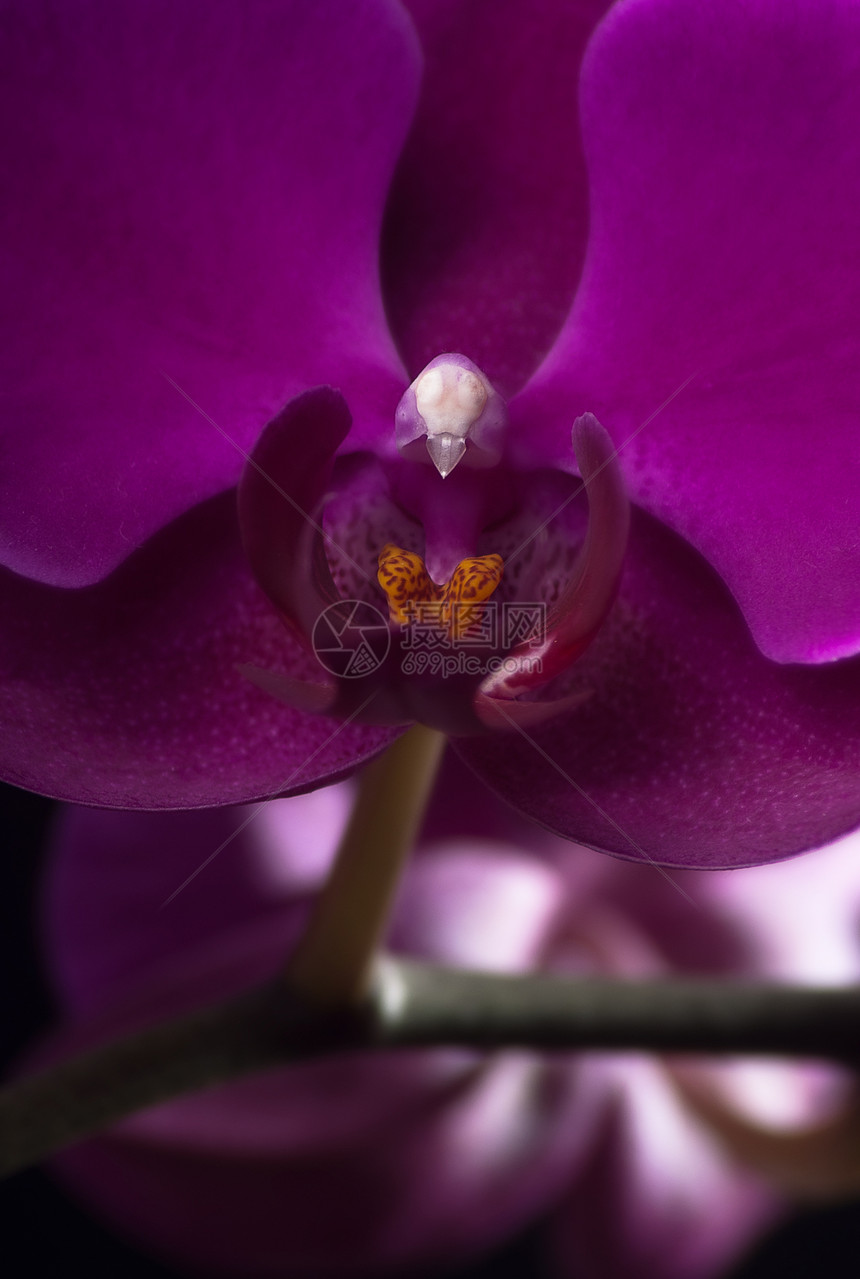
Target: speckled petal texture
693 749
724 167
129 693
196 190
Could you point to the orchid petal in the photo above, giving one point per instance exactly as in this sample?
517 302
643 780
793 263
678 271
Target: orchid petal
173 880
195 196
693 749
725 176
478 904
304 695
680 1208
801 918
130 693
453 1172
485 230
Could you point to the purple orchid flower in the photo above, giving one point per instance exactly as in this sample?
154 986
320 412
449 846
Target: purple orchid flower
401 1162
221 211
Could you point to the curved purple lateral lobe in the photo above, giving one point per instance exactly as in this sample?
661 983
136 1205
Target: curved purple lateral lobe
724 167
692 749
193 190
578 614
129 694
280 504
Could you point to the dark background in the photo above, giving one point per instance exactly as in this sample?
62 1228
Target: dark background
42 1232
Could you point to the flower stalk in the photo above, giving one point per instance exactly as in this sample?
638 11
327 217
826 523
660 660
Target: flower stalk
333 962
413 1005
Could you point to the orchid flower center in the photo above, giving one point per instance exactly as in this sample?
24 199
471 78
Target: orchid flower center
455 607
444 541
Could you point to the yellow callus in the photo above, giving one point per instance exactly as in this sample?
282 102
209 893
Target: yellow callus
455 605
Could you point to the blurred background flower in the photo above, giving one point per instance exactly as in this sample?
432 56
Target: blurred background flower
371 1165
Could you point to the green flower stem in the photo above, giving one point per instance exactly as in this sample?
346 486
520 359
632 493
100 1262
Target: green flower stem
333 963
412 1005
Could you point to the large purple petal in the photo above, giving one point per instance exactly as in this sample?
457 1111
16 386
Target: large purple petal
195 191
485 231
693 749
129 693
724 162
